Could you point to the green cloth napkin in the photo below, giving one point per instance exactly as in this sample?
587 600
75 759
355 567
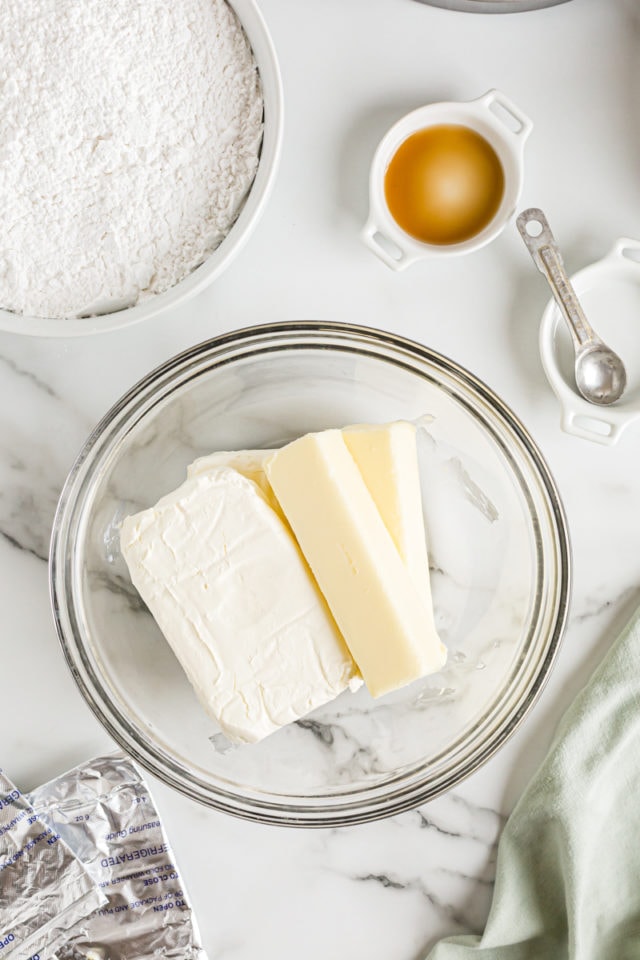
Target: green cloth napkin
568 871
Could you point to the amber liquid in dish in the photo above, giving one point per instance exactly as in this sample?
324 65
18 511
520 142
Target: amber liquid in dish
444 184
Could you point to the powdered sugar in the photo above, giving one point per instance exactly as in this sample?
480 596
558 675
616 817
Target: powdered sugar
131 131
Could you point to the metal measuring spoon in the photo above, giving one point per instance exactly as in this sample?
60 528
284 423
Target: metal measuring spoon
599 372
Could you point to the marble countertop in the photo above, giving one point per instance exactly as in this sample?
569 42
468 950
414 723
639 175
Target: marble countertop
391 888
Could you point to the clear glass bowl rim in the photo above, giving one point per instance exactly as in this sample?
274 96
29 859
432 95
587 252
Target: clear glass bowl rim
359 807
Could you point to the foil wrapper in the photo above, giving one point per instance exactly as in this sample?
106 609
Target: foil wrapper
104 813
44 888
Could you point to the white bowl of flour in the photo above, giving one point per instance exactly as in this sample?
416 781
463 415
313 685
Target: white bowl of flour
140 143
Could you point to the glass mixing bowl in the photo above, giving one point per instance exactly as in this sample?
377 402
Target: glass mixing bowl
499 568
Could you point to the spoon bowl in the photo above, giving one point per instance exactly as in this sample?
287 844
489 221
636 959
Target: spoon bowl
600 374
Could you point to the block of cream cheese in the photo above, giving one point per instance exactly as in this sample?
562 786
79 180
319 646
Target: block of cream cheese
385 620
227 585
250 463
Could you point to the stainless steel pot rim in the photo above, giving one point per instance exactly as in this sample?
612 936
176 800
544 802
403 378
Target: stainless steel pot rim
493 6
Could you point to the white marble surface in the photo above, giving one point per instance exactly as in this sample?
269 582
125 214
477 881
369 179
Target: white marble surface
391 888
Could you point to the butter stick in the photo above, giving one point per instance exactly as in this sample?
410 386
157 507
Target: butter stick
386 621
386 456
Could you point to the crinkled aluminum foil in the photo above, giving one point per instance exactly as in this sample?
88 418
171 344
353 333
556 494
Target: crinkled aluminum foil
44 889
103 811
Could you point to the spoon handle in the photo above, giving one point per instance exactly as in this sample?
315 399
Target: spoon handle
545 254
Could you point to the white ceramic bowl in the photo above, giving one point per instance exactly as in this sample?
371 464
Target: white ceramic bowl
609 292
264 52
503 126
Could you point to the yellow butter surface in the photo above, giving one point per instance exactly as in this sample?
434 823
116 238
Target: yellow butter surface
386 620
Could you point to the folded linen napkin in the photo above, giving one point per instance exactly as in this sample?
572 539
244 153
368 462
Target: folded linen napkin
568 870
